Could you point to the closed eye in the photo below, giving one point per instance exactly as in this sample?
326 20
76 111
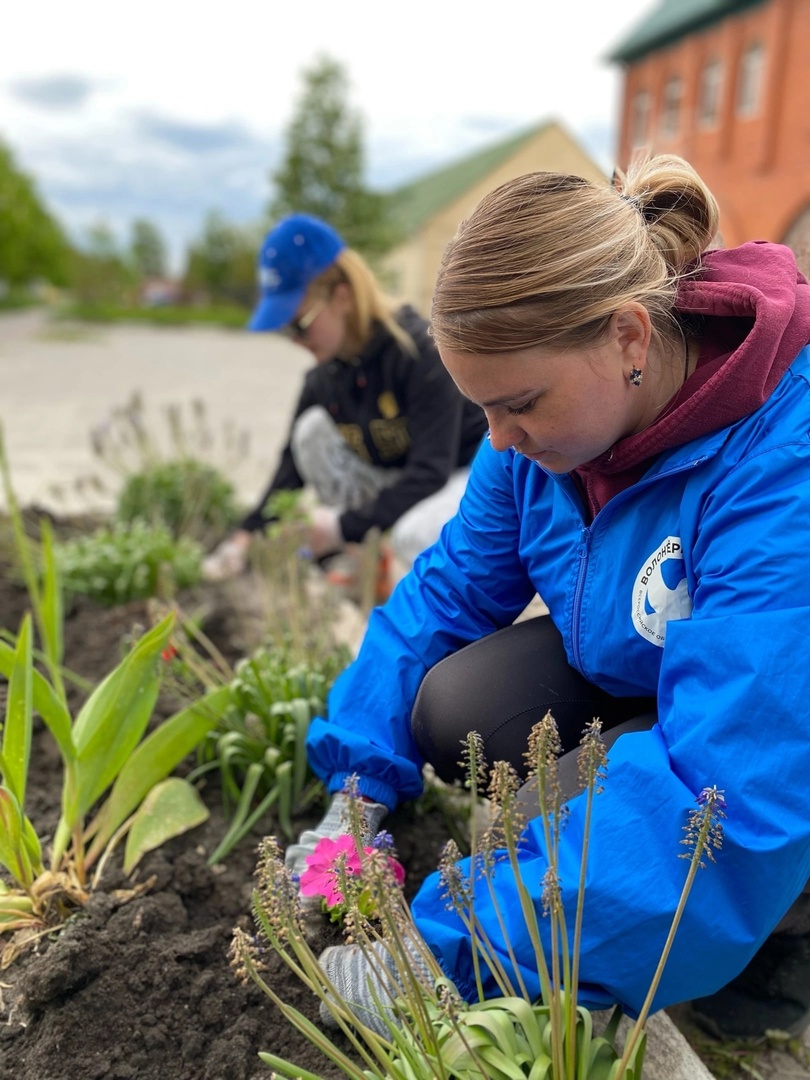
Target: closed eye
520 409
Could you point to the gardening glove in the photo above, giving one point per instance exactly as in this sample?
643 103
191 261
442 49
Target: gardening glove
335 823
353 975
325 536
228 559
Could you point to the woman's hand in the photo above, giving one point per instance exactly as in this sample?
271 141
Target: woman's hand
325 536
229 559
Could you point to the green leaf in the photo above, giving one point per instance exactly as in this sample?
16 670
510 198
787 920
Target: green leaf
159 753
52 609
17 730
302 717
114 717
286 1068
170 809
236 829
597 1061
32 845
283 784
46 703
13 853
541 1069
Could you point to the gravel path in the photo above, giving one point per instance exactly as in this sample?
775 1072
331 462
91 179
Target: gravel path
61 380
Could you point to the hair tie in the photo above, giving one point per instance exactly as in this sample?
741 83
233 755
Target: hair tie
649 215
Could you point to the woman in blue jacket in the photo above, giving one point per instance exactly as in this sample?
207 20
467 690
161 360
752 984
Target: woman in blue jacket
648 474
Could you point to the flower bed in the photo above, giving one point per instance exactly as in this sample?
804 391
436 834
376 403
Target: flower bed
142 986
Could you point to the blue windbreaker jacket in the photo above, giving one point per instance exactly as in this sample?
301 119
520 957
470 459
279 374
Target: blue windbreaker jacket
692 585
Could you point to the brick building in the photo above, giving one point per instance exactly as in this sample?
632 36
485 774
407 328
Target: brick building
726 85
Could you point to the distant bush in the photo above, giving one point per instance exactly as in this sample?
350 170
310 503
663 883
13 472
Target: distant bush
188 496
225 315
16 301
116 564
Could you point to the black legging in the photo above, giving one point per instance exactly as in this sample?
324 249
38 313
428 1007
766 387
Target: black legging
501 686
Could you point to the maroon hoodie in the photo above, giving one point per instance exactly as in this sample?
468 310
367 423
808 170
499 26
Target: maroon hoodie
754 309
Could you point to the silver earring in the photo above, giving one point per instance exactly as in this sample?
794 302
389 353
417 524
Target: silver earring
635 376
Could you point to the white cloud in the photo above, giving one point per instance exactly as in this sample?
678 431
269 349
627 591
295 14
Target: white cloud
177 110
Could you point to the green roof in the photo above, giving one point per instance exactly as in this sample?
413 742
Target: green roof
671 20
414 203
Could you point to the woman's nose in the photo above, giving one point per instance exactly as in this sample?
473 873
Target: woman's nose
504 432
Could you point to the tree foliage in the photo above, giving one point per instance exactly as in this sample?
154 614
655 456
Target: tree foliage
101 273
221 264
147 250
32 244
322 171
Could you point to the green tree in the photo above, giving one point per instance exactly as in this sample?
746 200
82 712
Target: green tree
32 243
147 250
101 274
222 263
324 162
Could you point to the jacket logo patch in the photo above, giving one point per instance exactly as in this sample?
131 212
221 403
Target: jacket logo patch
390 437
387 404
660 593
353 436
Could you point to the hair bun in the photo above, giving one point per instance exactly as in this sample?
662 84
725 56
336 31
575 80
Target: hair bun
681 212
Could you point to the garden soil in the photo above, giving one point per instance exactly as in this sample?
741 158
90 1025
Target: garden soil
141 987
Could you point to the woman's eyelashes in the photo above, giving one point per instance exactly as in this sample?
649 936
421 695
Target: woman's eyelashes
518 410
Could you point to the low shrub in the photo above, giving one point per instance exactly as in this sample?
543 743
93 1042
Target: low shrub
191 498
123 562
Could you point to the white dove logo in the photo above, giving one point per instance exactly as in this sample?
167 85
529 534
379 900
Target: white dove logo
655 601
269 278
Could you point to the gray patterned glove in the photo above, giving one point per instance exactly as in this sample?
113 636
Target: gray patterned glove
353 975
334 823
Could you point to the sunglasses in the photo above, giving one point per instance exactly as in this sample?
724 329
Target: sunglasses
298 328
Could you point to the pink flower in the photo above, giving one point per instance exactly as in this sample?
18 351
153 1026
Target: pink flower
397 868
322 873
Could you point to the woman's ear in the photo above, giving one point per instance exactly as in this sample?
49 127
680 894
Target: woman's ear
632 330
342 297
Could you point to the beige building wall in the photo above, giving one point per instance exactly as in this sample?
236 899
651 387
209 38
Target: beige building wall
413 266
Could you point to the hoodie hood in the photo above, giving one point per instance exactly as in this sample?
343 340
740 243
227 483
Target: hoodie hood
752 307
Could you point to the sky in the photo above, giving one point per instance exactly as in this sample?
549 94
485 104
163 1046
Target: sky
167 110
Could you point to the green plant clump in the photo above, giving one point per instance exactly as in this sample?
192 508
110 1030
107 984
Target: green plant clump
259 744
119 563
189 497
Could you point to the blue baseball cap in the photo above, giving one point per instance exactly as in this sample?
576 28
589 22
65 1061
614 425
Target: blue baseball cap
294 252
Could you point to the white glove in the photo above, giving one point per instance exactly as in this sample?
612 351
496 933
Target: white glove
229 559
335 823
325 536
353 974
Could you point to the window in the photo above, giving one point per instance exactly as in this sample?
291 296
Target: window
670 113
640 118
749 83
711 81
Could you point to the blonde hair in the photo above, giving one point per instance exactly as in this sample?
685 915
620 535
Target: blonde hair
546 259
370 304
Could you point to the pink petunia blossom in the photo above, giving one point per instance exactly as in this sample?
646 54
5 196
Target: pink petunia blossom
322 873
